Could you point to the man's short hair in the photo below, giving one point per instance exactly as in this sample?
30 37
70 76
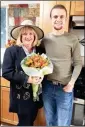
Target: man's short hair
59 6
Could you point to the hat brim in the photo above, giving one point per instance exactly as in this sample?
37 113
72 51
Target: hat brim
15 31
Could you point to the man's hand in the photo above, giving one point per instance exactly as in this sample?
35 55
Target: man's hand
69 87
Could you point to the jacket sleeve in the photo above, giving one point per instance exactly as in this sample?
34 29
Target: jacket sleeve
9 70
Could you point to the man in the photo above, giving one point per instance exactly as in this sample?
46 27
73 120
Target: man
64 51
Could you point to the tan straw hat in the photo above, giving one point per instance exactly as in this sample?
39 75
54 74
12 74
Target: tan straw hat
15 31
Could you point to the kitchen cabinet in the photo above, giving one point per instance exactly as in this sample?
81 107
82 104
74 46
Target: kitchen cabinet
47 6
11 118
40 119
5 115
77 8
15 119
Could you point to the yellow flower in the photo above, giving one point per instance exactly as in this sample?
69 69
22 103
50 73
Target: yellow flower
10 43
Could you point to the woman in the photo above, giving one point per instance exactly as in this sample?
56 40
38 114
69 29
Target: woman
21 96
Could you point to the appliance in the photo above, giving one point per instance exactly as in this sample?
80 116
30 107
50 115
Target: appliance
82 42
78 22
75 24
79 89
78 116
77 27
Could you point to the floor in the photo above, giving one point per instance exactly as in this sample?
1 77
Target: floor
5 124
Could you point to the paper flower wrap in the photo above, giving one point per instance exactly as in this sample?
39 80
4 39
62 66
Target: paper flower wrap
36 65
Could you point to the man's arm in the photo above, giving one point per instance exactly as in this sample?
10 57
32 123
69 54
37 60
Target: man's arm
77 63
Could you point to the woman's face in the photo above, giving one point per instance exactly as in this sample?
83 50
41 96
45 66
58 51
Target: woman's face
28 38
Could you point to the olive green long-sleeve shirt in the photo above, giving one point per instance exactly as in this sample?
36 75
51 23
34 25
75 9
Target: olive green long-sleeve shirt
63 50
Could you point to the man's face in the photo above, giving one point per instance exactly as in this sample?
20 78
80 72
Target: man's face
58 17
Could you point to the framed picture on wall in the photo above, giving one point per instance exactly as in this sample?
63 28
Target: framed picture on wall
19 12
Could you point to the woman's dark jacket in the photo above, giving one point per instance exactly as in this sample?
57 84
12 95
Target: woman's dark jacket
21 97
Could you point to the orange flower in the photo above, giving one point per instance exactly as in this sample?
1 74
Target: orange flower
36 61
10 43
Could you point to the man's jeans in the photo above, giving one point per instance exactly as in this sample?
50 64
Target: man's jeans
57 104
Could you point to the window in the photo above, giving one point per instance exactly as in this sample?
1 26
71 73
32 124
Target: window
3 27
3 32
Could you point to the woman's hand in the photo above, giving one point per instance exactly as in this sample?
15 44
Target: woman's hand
35 79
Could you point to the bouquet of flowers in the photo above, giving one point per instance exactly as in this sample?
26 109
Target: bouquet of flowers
36 65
